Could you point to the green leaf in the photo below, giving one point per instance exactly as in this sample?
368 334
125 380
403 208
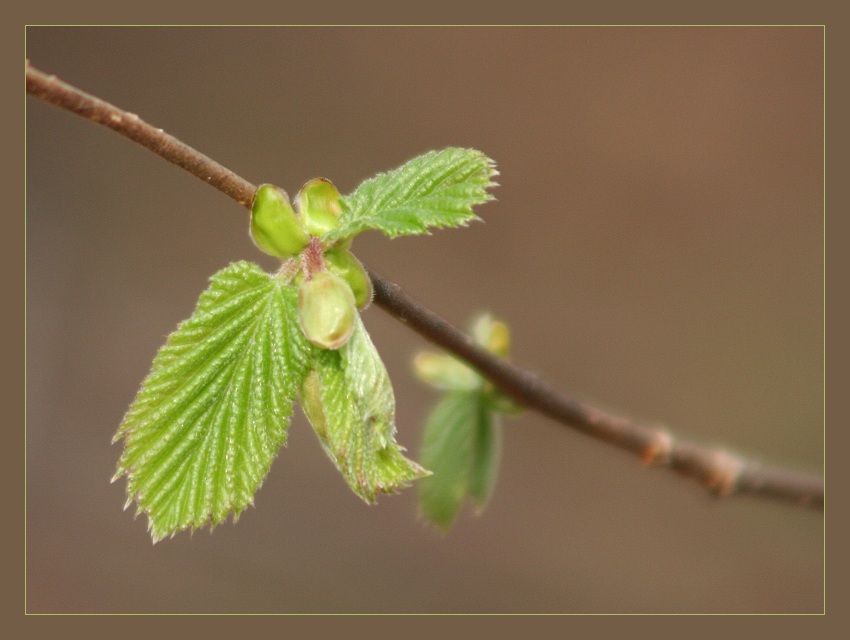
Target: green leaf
461 447
349 401
214 410
436 189
488 449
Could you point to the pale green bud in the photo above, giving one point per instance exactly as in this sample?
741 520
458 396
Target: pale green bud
318 204
444 372
494 335
343 263
326 310
275 228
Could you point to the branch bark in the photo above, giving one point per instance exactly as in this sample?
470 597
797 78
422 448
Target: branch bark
719 471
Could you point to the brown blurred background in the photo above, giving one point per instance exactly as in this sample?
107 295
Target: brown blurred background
656 247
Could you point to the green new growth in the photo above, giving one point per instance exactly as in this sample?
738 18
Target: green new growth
214 411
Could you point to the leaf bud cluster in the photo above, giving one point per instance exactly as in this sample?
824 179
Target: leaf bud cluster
332 288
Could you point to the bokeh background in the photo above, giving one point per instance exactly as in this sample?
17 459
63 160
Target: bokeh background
656 246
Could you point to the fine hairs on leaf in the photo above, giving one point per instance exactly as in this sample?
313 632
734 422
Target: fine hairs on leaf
214 411
349 401
436 189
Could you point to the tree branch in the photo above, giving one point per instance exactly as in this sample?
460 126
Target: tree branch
719 471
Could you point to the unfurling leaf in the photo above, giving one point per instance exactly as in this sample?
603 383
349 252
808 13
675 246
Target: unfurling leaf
214 410
460 447
436 189
349 401
461 443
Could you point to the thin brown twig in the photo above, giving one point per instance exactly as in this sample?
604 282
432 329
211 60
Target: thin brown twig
719 471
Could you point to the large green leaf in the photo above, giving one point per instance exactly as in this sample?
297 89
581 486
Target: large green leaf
461 447
349 401
213 413
436 189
